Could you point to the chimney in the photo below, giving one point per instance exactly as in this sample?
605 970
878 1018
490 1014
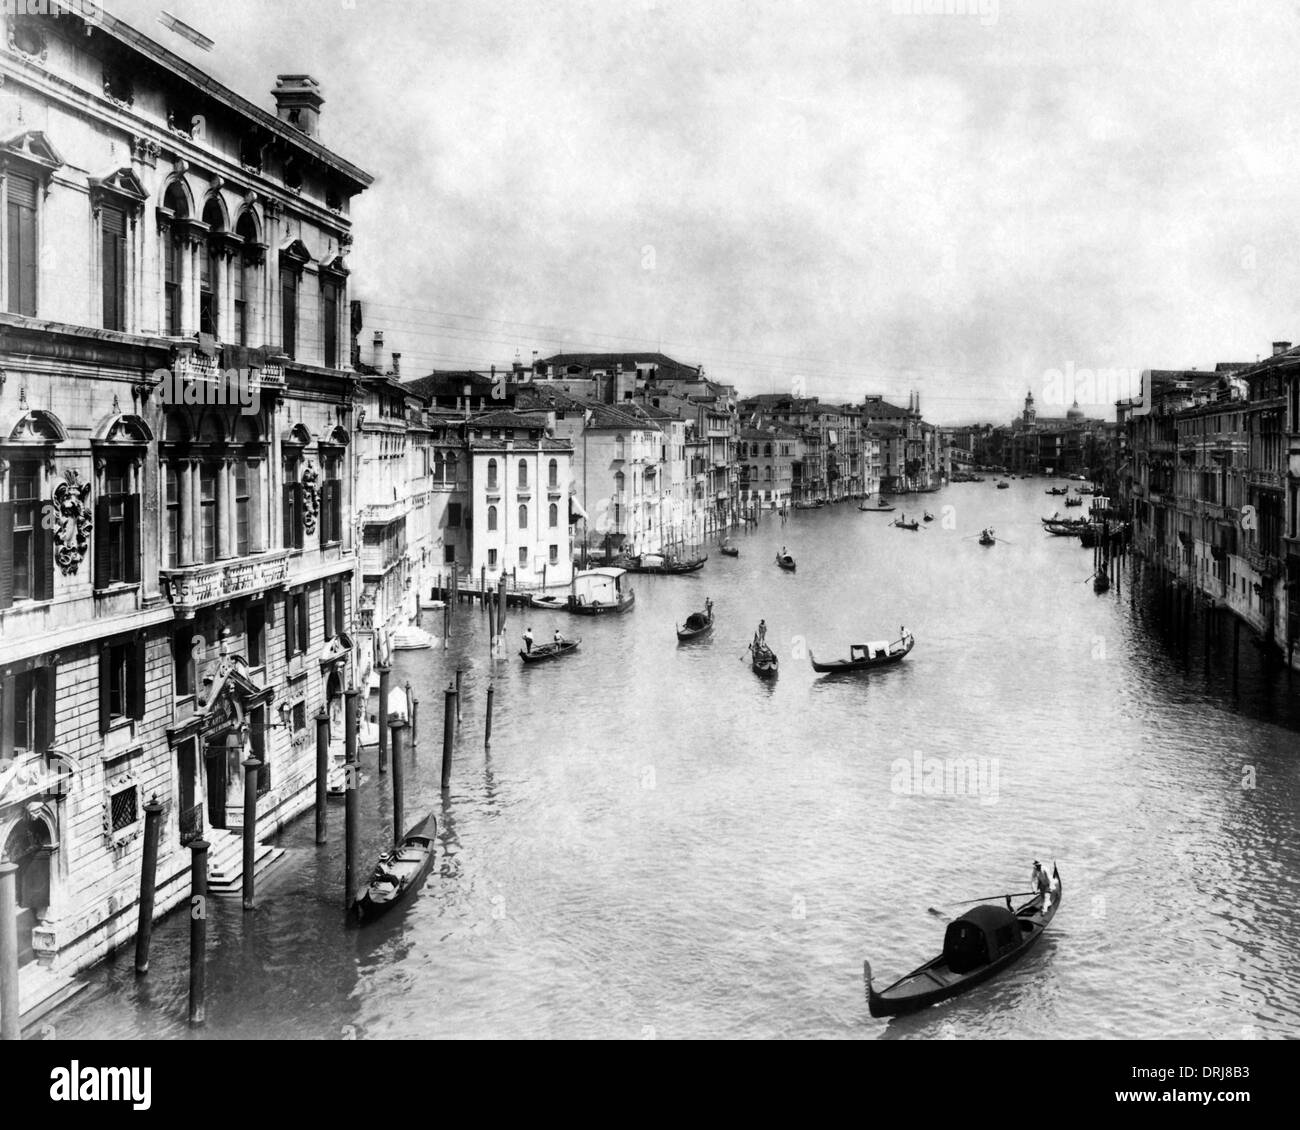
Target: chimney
298 101
378 346
1280 347
397 364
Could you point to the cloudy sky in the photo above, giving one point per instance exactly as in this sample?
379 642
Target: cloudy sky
842 196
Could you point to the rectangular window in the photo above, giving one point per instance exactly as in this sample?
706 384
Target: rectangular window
523 556
173 272
555 555
292 510
255 630
27 701
327 603
173 503
123 809
302 620
117 529
207 297
492 558
121 683
299 717
449 555
241 507
112 229
288 310
453 514
20 244
26 545
237 284
208 505
183 661
329 300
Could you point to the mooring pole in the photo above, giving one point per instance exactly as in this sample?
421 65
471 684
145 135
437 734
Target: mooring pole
148 883
487 730
351 770
399 806
448 733
384 673
198 932
322 773
458 676
251 766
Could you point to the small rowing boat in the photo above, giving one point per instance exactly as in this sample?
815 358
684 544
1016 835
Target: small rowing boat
863 656
882 508
786 562
399 872
762 658
912 525
542 652
729 551
698 624
1004 486
976 945
987 538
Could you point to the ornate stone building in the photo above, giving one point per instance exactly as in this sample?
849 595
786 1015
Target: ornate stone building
177 555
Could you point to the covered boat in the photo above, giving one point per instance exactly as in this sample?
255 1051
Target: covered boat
785 561
399 873
978 944
762 658
659 563
599 591
729 551
697 624
541 652
862 656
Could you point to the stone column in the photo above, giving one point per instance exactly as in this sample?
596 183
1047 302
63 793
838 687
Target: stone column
256 533
223 508
189 487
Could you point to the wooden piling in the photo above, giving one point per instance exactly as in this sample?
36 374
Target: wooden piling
322 773
448 734
9 1026
487 729
251 766
351 813
384 673
399 800
446 621
1236 649
148 883
458 677
198 932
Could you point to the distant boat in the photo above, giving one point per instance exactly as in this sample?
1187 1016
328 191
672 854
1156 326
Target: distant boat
729 551
762 659
542 652
410 638
400 871
912 525
786 562
556 603
987 538
1063 529
658 563
882 507
1058 490
1074 502
866 655
698 624
1100 582
929 517
976 945
1004 486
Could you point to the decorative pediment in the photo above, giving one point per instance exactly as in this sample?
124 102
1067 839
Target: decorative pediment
336 651
37 426
229 694
336 267
295 255
122 428
121 186
298 436
32 146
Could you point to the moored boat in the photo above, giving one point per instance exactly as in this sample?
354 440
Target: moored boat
1100 582
399 872
541 652
1074 502
863 656
660 564
976 945
600 591
410 638
556 603
697 625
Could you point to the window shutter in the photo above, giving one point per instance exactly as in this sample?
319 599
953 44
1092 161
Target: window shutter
43 582
327 609
105 674
102 504
288 515
6 554
136 680
290 634
340 623
45 716
132 537
297 515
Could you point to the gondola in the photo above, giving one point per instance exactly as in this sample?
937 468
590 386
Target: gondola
544 651
1100 583
881 509
729 551
987 538
978 944
1063 529
1004 486
912 525
786 562
929 517
656 563
1074 502
863 656
399 873
1057 490
762 659
698 624
598 592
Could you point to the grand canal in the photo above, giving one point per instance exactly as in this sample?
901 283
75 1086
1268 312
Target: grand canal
660 844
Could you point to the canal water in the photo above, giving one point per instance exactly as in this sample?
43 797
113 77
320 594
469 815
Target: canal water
660 844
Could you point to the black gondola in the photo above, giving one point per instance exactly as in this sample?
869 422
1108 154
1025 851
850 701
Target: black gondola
762 658
657 563
541 652
697 624
912 525
729 551
863 656
978 944
399 873
786 562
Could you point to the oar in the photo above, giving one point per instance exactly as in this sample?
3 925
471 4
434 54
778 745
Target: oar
986 898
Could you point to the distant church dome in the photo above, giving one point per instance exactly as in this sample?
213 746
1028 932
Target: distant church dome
1075 412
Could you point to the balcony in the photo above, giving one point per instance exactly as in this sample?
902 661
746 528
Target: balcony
381 513
195 586
1274 480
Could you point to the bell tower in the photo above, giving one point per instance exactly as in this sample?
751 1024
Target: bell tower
1029 409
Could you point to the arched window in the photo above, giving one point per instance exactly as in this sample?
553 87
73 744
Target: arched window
492 517
244 279
554 515
449 475
618 447
175 200
523 516
492 474
618 482
209 270
553 474
523 475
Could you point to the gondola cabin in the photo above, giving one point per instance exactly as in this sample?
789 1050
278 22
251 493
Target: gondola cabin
980 936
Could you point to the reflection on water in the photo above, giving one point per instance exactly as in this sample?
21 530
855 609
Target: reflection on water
661 843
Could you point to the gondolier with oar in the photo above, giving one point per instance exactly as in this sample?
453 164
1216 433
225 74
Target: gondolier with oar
1039 881
528 639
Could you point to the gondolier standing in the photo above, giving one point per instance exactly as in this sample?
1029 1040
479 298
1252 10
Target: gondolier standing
528 639
762 630
1039 880
558 639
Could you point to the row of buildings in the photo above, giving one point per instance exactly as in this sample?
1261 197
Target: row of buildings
1030 444
1210 474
